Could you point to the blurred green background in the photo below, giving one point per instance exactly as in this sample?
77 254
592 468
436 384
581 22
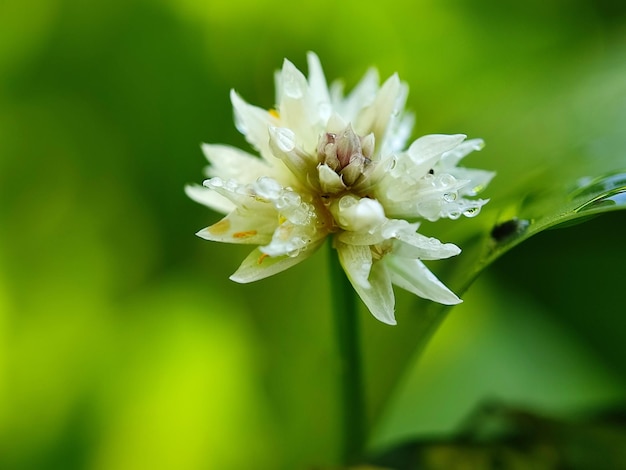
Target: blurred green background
123 345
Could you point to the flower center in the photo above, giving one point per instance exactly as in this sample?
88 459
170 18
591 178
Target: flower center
346 153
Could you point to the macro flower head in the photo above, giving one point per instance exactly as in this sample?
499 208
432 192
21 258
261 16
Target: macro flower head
335 165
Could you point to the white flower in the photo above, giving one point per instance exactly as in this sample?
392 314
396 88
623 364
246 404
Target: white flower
338 166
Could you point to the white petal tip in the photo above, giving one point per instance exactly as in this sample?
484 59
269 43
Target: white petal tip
203 234
235 98
239 280
312 57
385 317
453 301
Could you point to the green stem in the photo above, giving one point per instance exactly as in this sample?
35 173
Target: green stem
344 305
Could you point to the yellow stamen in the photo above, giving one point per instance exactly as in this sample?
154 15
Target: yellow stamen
262 258
274 113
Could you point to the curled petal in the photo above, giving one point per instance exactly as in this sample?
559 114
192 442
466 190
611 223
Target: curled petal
357 215
330 181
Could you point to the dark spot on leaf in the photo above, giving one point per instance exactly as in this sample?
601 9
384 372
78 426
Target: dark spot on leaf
509 229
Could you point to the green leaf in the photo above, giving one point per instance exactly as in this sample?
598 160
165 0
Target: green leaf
536 189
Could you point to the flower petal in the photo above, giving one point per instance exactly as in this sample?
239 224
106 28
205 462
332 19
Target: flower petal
371 280
283 145
362 95
330 181
413 276
253 122
373 237
298 108
232 163
398 134
318 85
427 150
240 195
452 157
377 117
358 214
242 228
477 180
258 265
209 198
415 245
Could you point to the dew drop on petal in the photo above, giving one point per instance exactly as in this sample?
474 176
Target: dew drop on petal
285 138
214 183
347 201
325 110
472 211
292 86
231 185
291 199
450 197
268 188
445 180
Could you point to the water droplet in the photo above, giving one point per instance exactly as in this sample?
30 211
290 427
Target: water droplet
450 197
445 180
231 185
288 199
293 85
284 138
588 187
268 188
325 110
472 211
603 191
613 198
214 183
347 201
